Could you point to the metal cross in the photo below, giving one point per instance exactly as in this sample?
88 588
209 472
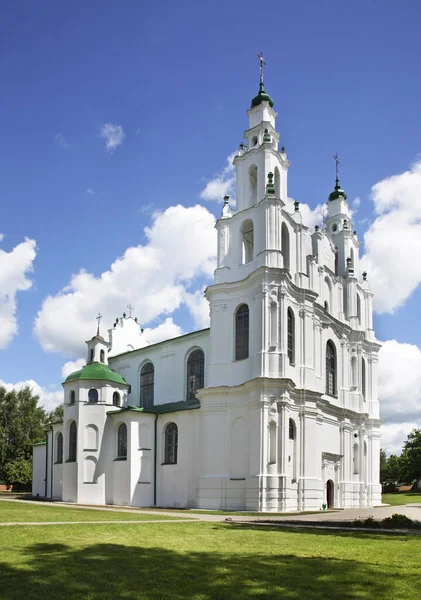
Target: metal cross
99 317
336 157
131 308
262 65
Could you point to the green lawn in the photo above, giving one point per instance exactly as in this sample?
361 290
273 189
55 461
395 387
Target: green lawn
401 498
20 512
204 561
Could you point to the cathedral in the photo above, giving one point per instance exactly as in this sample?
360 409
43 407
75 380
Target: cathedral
274 407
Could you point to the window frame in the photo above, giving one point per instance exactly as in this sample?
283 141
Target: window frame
122 439
195 368
291 336
242 332
95 401
147 385
331 370
171 444
59 448
72 446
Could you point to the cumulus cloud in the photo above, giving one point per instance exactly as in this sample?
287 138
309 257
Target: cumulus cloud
14 268
48 399
222 184
199 308
180 246
399 381
393 241
165 331
71 366
113 134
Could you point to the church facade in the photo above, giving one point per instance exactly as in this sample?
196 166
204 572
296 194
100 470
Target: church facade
273 408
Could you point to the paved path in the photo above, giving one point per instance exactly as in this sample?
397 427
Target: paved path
413 511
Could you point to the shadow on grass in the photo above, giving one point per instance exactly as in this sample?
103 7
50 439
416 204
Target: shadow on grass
372 534
113 571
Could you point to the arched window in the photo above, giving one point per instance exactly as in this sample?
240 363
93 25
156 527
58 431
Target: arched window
247 242
122 441
102 356
72 397
93 395
336 262
195 373
116 399
291 336
72 441
326 306
330 369
242 332
59 455
351 256
171 444
363 384
285 245
291 432
253 184
147 377
91 355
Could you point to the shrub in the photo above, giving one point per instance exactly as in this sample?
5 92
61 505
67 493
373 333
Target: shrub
397 521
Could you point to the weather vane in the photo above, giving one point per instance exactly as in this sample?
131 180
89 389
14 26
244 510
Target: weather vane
99 317
130 307
262 66
336 157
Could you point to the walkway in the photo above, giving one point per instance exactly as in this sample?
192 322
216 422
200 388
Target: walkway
413 511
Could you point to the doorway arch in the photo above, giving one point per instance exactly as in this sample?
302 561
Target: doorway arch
330 493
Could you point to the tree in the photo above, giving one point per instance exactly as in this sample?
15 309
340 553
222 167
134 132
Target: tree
18 472
411 456
56 415
22 423
383 466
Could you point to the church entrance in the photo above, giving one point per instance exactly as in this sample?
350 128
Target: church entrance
330 493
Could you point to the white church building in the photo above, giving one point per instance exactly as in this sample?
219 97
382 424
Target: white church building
273 408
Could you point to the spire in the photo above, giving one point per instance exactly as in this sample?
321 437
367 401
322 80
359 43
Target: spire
338 191
261 96
99 317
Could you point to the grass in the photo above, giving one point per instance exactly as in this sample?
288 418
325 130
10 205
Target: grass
399 498
204 561
20 512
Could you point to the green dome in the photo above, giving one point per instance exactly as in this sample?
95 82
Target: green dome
337 193
261 97
96 370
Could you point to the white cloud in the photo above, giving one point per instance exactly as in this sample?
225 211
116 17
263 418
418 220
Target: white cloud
71 366
60 140
14 267
222 184
181 245
199 308
48 399
165 331
1 237
356 203
90 191
113 134
399 381
393 241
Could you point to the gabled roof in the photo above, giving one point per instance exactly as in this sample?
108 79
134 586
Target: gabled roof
160 409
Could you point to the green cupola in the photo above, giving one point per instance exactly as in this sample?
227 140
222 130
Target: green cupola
97 370
337 192
261 97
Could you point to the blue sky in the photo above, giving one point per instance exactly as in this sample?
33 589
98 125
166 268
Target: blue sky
177 79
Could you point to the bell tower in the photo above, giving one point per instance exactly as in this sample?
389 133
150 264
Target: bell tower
260 156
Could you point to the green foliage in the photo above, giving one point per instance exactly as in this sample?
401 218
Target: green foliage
397 521
56 415
411 456
18 472
22 423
